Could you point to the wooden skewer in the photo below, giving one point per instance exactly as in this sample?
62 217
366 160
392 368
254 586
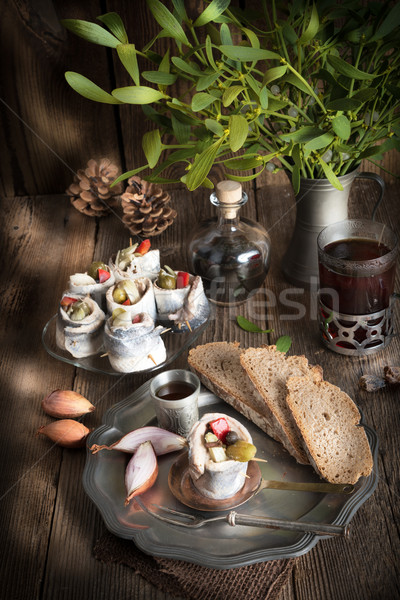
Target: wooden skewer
244 474
179 325
103 355
130 242
188 326
259 459
165 330
151 358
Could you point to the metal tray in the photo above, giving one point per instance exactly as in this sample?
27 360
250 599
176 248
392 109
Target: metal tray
216 545
175 344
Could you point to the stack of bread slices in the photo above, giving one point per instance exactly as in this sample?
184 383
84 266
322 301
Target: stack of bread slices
287 398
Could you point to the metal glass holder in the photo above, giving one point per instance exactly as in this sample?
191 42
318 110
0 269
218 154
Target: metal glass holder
355 335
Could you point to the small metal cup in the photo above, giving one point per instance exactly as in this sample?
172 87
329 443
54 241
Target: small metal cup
176 415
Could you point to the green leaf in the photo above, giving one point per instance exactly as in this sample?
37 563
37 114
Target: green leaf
253 39
342 127
139 94
319 142
303 135
249 326
115 25
214 126
209 53
274 73
202 165
127 55
151 144
213 10
298 83
244 177
231 93
344 68
181 130
329 174
244 54
312 27
201 100
167 21
159 77
264 98
394 90
187 67
253 84
225 35
283 343
365 95
344 104
88 89
207 81
91 32
156 117
179 6
127 175
244 163
391 21
295 177
238 131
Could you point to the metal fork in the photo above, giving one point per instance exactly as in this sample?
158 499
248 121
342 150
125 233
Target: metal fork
233 518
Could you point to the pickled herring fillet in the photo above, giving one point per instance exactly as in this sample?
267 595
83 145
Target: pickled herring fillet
83 284
183 305
146 303
217 480
128 266
84 337
134 347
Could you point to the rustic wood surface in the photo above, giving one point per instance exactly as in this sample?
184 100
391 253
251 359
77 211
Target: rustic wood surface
47 524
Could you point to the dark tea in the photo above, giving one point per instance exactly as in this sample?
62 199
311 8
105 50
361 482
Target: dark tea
175 390
353 290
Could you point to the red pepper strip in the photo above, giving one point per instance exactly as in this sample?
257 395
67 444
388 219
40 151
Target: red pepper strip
67 301
136 319
127 302
143 248
220 428
103 275
182 279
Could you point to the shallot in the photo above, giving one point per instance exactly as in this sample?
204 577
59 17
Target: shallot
66 432
163 441
141 471
66 404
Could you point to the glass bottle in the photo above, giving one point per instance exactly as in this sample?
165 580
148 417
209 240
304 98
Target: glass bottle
231 254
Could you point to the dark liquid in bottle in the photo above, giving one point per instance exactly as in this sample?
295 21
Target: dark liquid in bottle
175 390
230 272
356 293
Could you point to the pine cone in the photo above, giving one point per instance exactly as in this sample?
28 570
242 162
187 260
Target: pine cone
146 208
90 191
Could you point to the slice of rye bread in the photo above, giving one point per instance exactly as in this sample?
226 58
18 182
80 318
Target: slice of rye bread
328 421
218 367
269 370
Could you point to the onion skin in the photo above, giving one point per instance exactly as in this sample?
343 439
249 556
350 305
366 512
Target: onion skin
66 404
66 433
163 441
141 471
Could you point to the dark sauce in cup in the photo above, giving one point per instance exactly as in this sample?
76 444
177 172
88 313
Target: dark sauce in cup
175 390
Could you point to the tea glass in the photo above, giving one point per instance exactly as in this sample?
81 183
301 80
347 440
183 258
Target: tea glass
357 264
180 413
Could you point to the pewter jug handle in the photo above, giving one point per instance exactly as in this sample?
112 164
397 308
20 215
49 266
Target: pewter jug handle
379 181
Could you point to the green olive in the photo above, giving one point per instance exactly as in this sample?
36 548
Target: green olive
79 310
119 294
94 267
241 451
166 281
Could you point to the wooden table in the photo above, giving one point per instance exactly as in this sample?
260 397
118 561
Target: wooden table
48 526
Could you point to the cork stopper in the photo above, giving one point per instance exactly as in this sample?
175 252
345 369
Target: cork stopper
229 192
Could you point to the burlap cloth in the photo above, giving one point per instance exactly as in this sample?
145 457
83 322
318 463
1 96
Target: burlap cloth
261 581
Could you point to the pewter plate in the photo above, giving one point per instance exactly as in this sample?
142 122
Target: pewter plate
218 545
175 344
